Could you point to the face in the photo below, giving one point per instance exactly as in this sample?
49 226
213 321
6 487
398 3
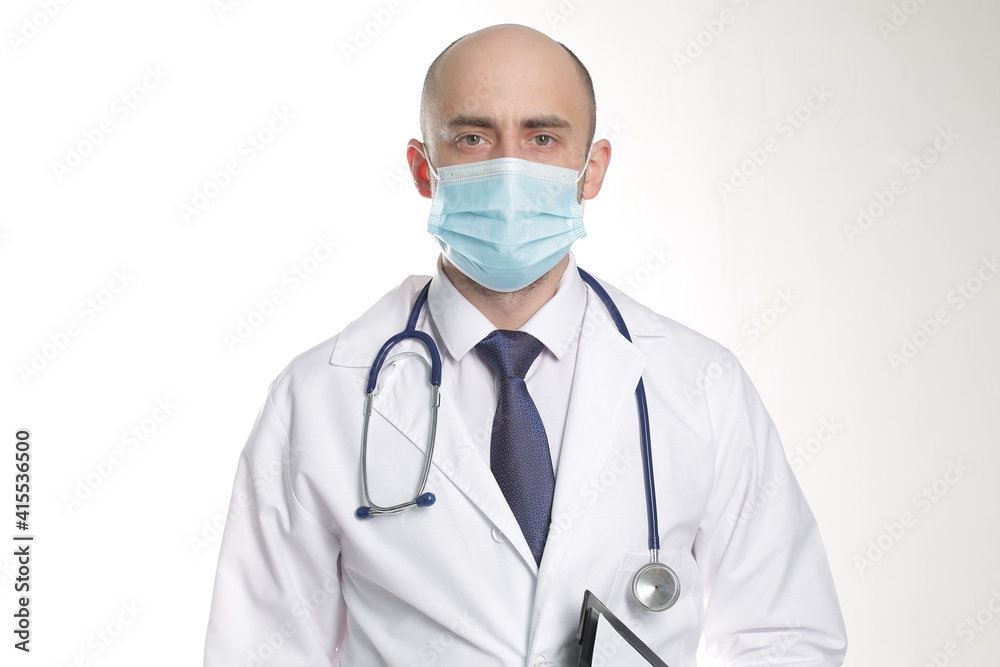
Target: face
508 93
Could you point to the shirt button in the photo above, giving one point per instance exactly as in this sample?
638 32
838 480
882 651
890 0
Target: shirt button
498 536
539 661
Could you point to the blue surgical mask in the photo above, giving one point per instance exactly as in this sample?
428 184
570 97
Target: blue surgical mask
505 223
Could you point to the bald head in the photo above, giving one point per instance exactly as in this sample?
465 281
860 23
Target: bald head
504 60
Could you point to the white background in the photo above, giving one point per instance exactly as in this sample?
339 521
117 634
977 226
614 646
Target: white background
678 128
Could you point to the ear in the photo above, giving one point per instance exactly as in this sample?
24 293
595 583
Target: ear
418 167
600 157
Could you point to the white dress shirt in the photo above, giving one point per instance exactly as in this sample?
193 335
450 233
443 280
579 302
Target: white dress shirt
459 326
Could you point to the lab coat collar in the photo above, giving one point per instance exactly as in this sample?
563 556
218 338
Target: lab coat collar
360 340
461 326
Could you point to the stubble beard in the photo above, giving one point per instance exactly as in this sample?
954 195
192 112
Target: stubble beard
504 300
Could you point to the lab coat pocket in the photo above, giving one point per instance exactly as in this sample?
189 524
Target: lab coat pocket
675 626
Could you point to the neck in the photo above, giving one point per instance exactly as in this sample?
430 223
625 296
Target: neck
507 310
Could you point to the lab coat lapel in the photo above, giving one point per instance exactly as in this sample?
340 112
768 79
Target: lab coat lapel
404 402
608 367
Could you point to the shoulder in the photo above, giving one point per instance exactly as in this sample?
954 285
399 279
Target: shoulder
689 366
654 333
703 382
357 344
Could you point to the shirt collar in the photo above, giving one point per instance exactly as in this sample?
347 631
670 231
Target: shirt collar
461 326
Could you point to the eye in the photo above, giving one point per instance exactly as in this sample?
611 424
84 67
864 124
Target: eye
543 140
472 140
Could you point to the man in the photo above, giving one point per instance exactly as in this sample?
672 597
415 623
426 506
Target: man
536 465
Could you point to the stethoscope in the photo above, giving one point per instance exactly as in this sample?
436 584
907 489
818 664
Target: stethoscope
655 586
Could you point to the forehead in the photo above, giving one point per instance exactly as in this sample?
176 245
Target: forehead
509 77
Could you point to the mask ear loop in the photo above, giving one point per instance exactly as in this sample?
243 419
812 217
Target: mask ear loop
583 202
431 171
583 171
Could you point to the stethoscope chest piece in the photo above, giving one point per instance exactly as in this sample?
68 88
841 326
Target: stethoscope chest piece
656 586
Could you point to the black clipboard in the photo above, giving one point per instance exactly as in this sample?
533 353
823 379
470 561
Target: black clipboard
586 635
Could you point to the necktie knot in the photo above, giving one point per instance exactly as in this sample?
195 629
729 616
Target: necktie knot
509 353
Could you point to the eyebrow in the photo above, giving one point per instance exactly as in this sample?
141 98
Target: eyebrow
487 122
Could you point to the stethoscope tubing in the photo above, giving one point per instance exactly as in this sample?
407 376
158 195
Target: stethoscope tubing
658 595
420 499
642 408
409 332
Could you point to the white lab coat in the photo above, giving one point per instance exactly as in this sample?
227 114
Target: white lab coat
455 584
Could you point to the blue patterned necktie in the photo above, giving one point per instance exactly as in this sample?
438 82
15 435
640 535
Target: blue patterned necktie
519 451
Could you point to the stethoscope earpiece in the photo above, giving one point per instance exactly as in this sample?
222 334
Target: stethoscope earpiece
425 499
